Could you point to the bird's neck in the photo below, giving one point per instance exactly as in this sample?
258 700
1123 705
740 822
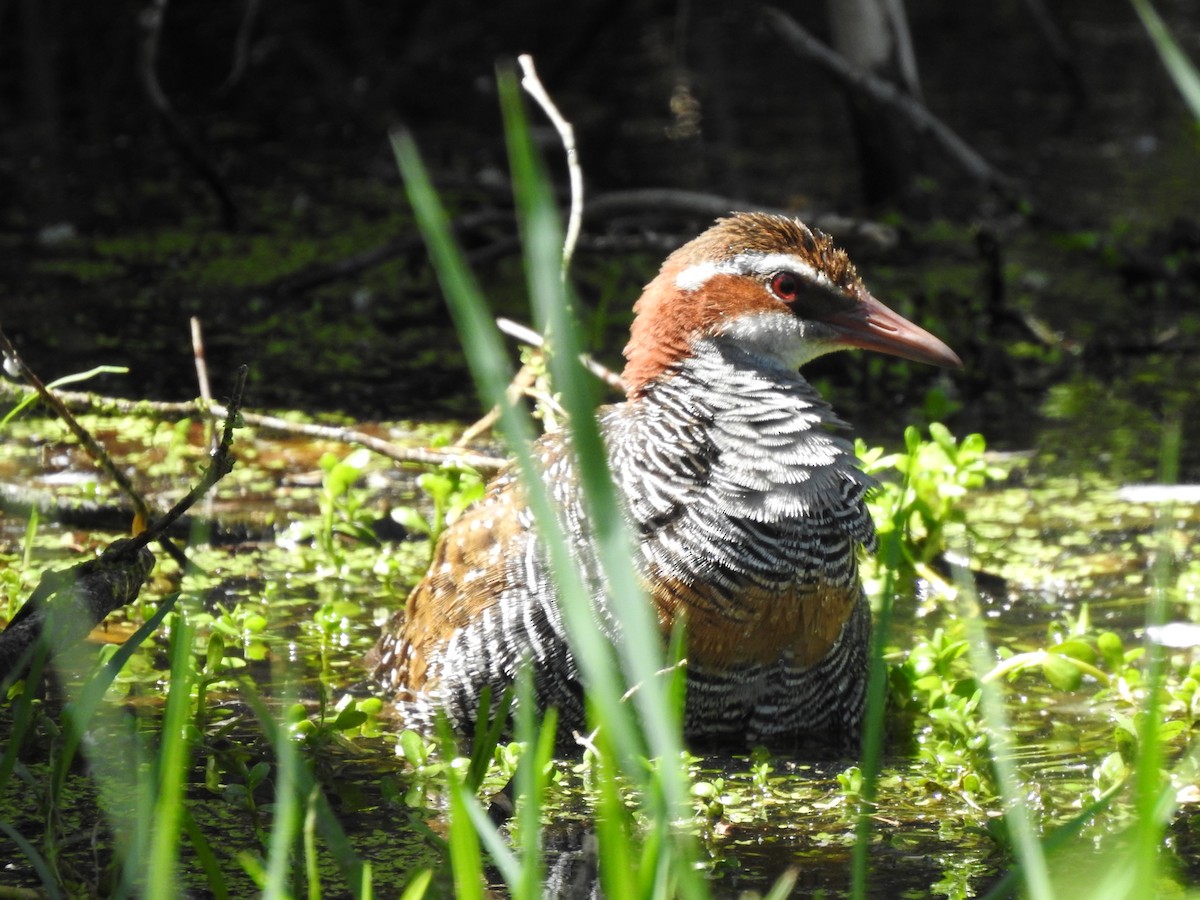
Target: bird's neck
754 406
730 427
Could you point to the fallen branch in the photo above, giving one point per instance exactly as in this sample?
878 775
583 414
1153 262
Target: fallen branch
94 450
433 456
85 402
67 604
884 92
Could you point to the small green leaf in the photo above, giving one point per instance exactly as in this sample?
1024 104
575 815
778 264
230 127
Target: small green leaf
349 718
412 748
1112 649
257 775
1061 672
1076 649
215 652
410 519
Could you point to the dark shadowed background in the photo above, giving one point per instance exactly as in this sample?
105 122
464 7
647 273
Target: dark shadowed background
1078 289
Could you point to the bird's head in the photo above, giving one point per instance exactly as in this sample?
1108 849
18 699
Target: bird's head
774 286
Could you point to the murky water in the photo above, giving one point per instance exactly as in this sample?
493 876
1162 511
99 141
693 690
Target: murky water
298 621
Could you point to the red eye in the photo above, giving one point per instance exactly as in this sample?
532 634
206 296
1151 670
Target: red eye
785 286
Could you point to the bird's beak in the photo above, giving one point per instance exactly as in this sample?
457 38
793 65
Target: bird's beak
872 326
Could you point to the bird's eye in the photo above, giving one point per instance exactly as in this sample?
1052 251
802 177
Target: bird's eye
785 286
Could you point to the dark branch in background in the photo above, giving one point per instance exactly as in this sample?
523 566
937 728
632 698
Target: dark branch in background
67 604
711 206
886 93
241 46
150 22
602 208
1060 50
323 273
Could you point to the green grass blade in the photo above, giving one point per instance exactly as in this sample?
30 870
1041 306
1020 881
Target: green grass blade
477 822
30 852
488 729
1026 843
57 383
349 864
642 652
641 648
174 754
530 782
204 853
1153 795
312 869
415 890
614 828
891 553
782 888
286 821
466 859
1056 840
658 726
79 713
1180 68
23 712
492 372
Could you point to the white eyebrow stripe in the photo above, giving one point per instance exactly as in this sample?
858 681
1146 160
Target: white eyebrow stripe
695 277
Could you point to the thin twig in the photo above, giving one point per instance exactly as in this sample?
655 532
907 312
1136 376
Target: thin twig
633 689
886 93
566 133
202 372
588 741
201 365
521 383
119 406
220 466
531 337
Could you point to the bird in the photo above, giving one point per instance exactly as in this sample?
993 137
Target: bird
740 488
